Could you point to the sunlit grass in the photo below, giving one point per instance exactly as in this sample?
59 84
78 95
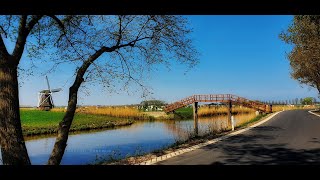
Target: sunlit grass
45 122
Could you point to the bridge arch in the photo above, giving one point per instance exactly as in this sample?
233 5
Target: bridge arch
222 98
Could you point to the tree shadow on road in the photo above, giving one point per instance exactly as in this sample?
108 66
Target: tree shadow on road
249 149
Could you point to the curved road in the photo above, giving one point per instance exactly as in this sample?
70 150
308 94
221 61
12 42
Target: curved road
291 137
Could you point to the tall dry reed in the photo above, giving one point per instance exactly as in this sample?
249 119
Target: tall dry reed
121 112
210 111
276 108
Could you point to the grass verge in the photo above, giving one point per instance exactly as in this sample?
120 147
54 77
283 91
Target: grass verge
257 118
35 122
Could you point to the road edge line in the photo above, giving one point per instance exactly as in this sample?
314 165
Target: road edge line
313 112
212 141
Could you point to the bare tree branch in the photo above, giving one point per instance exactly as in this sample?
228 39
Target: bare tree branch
57 20
120 31
142 28
34 20
3 31
125 27
125 62
23 32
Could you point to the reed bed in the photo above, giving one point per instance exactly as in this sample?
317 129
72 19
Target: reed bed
120 112
211 111
242 119
276 108
184 113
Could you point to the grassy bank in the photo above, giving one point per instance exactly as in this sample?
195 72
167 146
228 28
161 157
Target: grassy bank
184 113
253 120
36 122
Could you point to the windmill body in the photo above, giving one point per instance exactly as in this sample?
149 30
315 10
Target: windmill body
45 101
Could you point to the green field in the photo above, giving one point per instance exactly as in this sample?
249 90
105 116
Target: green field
185 112
45 122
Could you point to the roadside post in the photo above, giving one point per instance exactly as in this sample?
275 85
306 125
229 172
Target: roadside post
232 123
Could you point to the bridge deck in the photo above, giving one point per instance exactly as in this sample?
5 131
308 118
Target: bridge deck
218 98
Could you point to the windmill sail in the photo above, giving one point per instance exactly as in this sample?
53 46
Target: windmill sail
51 100
48 83
56 90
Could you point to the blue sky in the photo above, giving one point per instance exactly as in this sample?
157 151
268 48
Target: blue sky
240 55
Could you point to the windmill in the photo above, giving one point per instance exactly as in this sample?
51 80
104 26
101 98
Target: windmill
45 101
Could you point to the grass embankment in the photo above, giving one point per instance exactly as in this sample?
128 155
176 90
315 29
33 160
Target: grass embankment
36 122
253 120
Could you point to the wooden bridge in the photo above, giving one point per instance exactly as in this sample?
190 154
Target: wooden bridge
222 98
229 99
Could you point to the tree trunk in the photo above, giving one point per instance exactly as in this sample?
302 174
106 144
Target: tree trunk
13 149
64 127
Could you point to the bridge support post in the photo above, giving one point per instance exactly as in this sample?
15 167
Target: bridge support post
195 117
229 113
270 108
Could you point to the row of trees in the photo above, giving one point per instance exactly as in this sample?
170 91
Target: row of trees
296 101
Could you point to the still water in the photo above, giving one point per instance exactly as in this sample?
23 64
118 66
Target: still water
141 137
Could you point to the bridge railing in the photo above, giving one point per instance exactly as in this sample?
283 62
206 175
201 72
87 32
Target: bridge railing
216 98
253 104
180 104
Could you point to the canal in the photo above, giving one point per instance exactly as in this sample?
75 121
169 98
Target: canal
141 137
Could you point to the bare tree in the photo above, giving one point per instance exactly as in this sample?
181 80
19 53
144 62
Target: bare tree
111 49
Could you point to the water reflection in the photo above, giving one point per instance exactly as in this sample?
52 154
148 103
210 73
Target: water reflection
140 137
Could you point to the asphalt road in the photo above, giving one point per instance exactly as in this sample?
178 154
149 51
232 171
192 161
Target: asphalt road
291 137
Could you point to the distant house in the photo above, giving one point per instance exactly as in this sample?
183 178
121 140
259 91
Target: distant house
152 105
